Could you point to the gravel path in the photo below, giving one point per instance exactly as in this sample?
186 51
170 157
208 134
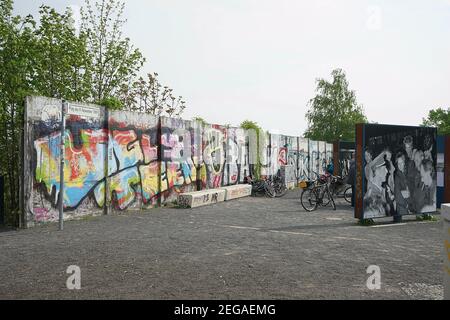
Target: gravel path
252 248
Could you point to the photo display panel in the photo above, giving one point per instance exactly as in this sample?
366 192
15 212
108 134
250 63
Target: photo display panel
398 170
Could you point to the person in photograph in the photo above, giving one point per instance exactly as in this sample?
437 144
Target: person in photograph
388 183
415 181
428 143
379 173
408 145
401 190
389 166
412 173
426 197
375 197
372 165
368 159
351 178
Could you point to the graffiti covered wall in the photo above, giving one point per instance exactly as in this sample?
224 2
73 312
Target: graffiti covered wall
182 168
133 162
84 167
120 160
322 157
214 144
314 159
303 159
237 164
292 154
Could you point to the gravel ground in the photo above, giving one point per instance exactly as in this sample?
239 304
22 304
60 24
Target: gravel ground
251 248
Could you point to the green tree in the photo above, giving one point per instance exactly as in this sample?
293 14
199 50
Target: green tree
16 71
49 58
61 57
439 118
115 61
44 59
334 111
255 162
201 120
149 96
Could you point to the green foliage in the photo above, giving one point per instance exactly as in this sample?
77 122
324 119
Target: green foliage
334 111
51 58
426 217
366 222
62 62
201 120
439 118
45 58
16 70
247 125
115 61
251 125
111 103
149 96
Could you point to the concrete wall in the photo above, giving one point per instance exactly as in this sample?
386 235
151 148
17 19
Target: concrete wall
314 158
303 159
119 160
237 165
182 167
85 152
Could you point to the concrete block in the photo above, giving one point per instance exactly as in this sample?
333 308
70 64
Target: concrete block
446 221
237 191
201 198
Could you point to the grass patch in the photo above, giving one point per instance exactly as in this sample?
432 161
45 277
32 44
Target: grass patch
426 217
366 222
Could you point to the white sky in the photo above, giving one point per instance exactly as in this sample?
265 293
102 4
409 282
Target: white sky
258 59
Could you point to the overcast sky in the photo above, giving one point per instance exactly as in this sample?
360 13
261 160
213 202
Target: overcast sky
258 59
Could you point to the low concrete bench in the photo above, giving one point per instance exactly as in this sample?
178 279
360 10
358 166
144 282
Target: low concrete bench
237 191
201 198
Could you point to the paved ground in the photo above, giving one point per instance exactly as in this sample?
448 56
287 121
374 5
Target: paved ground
252 248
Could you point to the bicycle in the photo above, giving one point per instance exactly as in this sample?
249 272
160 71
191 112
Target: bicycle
279 186
317 193
265 186
341 189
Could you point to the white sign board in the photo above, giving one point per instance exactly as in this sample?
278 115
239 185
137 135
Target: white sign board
83 111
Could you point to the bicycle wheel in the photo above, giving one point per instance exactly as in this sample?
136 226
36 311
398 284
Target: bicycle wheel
280 189
348 194
269 188
308 199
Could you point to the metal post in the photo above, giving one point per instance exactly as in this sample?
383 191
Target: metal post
61 167
106 164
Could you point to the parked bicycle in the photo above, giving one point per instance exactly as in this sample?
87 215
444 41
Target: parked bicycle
262 186
279 185
317 192
341 189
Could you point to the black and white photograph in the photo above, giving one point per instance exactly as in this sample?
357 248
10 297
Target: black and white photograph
399 171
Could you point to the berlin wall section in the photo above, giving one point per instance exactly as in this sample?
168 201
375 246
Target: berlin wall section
121 160
85 151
